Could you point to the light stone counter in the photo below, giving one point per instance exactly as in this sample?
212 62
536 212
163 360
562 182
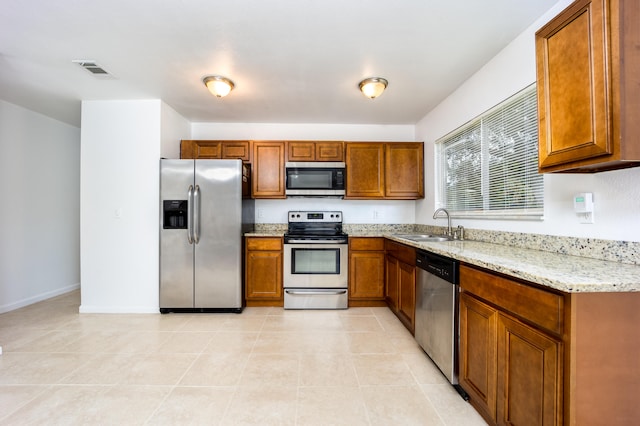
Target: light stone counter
567 264
572 274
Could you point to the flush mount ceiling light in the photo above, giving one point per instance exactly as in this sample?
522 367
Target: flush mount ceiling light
218 86
373 87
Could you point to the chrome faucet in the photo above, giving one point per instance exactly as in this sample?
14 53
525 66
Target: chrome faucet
445 211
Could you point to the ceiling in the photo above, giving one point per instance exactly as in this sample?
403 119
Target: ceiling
292 61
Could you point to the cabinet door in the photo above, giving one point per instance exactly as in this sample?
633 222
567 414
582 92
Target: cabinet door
477 357
404 171
268 170
574 86
214 149
529 375
366 275
329 151
301 151
392 288
200 149
263 275
365 170
236 149
407 299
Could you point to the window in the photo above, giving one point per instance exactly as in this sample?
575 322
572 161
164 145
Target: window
488 168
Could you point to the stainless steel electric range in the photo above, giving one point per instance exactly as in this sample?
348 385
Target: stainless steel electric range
315 261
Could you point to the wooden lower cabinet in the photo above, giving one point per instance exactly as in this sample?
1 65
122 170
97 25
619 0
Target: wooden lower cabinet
529 375
511 369
407 299
392 283
477 358
366 271
263 271
400 282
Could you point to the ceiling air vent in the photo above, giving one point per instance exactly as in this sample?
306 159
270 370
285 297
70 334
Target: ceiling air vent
93 67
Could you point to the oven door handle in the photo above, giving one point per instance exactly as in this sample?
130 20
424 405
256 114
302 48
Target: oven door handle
315 293
316 242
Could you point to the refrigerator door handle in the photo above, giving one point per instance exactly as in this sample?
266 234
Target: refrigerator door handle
196 214
190 214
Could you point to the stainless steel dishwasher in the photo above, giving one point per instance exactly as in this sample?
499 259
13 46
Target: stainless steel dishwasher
436 320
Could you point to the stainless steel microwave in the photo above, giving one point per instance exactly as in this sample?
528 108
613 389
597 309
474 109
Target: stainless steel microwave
315 179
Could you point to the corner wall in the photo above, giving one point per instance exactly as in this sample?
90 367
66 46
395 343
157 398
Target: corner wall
40 187
616 193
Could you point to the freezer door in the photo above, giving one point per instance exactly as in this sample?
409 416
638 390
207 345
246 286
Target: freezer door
176 253
218 253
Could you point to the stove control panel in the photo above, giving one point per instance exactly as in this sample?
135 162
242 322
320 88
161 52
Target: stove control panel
315 217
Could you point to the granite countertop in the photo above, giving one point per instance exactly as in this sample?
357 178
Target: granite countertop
572 274
264 234
559 271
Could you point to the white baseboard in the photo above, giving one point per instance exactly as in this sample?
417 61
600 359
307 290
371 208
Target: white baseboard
37 298
84 309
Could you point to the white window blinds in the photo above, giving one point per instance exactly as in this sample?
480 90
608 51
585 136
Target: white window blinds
489 167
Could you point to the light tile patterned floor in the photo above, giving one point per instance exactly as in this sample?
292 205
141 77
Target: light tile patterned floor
265 366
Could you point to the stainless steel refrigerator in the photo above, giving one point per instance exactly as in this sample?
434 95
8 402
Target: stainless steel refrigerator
203 215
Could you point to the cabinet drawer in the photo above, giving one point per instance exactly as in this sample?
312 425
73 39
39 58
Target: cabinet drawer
259 243
366 244
541 307
400 251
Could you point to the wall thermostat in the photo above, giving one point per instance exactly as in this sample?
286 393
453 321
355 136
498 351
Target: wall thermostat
583 202
583 206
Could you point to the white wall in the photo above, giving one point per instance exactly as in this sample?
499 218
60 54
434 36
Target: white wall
121 148
40 187
616 193
174 128
354 211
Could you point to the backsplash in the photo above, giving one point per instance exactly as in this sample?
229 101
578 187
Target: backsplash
615 251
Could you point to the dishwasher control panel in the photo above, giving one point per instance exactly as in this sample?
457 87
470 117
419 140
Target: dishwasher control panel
441 266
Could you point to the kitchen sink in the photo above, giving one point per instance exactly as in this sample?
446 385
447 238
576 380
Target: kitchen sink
423 237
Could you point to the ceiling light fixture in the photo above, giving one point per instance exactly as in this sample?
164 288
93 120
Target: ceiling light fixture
373 87
218 86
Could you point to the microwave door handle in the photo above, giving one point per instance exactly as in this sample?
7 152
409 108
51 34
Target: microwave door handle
190 214
196 214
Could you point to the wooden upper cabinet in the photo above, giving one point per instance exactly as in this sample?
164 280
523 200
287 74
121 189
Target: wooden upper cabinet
389 170
365 170
404 171
268 169
301 151
329 151
314 151
237 149
214 149
588 71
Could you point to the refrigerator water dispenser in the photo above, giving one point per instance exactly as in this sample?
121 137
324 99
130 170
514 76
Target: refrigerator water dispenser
175 214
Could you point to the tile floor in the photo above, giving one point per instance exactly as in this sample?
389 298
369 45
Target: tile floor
265 366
